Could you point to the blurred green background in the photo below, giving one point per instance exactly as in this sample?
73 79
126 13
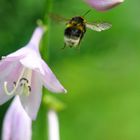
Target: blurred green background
102 78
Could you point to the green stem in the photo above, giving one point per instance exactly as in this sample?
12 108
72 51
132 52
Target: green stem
44 49
44 46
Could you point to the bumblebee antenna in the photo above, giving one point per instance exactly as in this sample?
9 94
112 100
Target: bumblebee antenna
86 13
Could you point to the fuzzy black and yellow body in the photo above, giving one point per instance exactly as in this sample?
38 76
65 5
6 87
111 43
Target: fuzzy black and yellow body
76 28
74 32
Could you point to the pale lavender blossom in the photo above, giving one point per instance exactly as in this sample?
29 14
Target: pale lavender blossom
24 73
53 123
103 5
17 125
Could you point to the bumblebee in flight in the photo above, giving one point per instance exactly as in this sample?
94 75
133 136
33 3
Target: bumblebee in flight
76 28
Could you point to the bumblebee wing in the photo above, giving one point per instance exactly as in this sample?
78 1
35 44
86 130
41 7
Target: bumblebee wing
99 26
58 18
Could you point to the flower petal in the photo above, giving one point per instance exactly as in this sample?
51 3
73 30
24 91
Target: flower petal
32 61
32 46
50 80
103 5
17 124
3 97
32 102
36 37
17 55
9 75
53 124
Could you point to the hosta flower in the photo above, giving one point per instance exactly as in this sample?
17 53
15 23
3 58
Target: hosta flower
24 73
53 123
17 124
103 5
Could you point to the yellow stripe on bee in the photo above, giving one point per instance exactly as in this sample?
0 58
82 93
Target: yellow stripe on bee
78 26
69 25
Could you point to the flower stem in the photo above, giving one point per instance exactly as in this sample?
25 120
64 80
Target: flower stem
44 49
52 118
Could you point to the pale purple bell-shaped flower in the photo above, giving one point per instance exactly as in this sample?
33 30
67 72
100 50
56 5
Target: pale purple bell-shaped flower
103 5
24 73
53 125
16 125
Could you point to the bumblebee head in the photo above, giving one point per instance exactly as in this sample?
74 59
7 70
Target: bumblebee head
77 19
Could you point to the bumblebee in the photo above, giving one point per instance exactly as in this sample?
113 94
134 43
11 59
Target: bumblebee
74 32
76 28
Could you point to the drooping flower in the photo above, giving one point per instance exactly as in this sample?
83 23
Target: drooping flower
103 5
24 73
17 125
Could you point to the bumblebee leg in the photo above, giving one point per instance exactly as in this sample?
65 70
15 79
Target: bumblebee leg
78 47
64 46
